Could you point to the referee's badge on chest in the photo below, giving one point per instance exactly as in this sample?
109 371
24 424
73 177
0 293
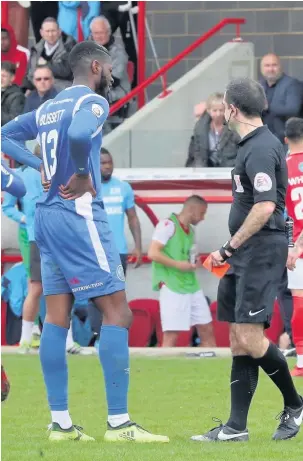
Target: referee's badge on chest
238 183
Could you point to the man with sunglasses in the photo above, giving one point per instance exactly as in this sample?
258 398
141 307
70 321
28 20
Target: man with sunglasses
44 88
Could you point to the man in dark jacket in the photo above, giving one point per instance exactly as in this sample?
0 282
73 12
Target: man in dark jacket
44 89
284 95
12 98
212 144
118 13
101 34
53 50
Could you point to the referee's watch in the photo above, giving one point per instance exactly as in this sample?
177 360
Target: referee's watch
226 247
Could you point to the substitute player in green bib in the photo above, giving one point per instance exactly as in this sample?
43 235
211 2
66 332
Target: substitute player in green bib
172 250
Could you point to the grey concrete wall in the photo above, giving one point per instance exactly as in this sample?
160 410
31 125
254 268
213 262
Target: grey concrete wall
271 26
159 134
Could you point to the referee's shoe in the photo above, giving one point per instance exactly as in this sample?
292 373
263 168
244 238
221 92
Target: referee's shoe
222 433
290 422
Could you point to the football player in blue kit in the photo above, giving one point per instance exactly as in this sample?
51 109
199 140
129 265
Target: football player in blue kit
78 256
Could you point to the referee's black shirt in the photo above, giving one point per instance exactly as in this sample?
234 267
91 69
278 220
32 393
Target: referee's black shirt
260 175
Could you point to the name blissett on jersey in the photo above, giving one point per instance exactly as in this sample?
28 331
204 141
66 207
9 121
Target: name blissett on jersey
52 117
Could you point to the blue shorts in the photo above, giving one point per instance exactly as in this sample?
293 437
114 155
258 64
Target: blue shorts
77 255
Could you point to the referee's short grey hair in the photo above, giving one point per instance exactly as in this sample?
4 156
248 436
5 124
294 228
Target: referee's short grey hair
247 95
104 20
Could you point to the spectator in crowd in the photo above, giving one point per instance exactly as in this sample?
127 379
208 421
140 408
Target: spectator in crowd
44 88
53 50
68 17
284 95
12 52
173 255
212 144
101 34
12 98
118 15
39 11
18 15
118 198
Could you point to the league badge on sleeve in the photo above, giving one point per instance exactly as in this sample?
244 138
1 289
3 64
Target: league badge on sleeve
97 110
262 182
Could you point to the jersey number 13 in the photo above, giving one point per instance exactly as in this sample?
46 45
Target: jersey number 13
49 142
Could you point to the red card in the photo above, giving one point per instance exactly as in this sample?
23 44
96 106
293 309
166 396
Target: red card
218 271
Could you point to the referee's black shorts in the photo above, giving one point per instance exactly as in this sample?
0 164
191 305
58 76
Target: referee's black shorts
35 263
247 293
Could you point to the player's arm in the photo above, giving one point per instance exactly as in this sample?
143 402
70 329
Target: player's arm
295 252
86 124
163 232
11 211
11 183
260 168
299 244
134 224
16 132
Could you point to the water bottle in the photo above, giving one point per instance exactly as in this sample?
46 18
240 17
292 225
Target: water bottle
193 254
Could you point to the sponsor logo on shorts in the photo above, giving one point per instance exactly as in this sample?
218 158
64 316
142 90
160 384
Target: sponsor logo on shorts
120 273
255 313
74 281
262 182
87 287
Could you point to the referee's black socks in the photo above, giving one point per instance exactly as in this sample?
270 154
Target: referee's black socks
275 366
243 383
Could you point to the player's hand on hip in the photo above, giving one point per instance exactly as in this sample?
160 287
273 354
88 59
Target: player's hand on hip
186 266
77 186
45 182
216 258
293 255
137 254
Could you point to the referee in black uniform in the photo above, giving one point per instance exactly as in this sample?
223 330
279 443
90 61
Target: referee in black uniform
257 252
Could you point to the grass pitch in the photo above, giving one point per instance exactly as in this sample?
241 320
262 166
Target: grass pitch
176 397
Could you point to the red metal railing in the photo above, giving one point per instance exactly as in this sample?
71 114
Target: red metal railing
139 90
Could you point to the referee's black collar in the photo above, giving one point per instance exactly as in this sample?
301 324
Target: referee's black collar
253 133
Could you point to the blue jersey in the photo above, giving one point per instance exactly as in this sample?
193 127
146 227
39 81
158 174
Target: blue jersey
77 251
74 110
54 121
11 182
118 197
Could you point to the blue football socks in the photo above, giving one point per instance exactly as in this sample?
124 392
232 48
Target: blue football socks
54 365
114 358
